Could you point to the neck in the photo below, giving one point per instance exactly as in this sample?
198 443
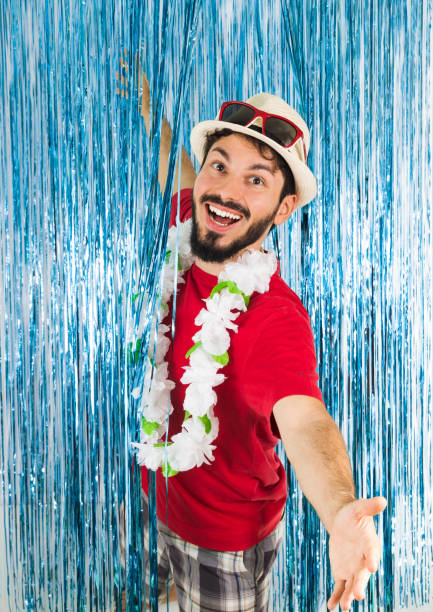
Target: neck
214 268
209 266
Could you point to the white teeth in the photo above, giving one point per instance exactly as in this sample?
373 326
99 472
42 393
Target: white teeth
223 213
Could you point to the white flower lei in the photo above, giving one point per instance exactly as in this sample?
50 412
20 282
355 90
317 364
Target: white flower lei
193 445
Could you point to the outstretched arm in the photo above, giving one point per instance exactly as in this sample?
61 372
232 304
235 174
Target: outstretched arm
188 173
316 450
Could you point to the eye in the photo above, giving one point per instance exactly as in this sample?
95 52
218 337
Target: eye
257 180
219 166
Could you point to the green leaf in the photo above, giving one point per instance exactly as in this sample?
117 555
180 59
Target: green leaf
163 444
130 351
222 359
206 422
164 306
187 415
134 352
168 471
149 426
167 260
137 350
193 348
232 287
220 286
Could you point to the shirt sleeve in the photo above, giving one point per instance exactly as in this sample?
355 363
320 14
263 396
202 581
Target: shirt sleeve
283 361
183 199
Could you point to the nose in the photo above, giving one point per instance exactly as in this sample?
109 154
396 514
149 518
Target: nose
230 188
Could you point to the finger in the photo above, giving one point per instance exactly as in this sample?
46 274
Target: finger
372 556
336 594
360 584
348 596
369 507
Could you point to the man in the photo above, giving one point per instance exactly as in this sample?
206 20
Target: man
220 532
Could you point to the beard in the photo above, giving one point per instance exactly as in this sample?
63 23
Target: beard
205 246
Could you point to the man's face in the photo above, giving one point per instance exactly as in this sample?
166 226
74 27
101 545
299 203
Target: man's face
236 198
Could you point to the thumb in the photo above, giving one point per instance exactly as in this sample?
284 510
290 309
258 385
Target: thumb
369 507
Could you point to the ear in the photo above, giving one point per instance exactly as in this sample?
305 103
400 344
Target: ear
287 206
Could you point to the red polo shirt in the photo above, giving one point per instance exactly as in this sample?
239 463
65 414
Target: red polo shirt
238 499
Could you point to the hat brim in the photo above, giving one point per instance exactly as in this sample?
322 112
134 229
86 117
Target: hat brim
305 182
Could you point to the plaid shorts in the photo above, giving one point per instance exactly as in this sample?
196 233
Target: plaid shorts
209 580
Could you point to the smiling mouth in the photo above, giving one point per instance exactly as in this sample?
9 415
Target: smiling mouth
222 217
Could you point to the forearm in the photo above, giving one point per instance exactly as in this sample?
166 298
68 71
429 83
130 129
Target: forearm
318 455
188 171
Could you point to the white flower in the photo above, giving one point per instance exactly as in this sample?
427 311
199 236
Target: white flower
222 304
168 283
162 345
156 405
200 359
203 369
172 239
251 272
214 336
190 448
154 437
182 454
160 374
149 455
185 255
199 398
147 376
157 412
162 329
216 319
213 434
179 238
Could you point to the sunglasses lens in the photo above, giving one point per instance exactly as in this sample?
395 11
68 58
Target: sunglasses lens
238 113
282 132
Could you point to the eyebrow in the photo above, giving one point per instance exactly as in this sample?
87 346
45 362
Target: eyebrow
262 167
223 153
253 167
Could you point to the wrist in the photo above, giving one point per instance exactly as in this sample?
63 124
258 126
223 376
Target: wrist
344 500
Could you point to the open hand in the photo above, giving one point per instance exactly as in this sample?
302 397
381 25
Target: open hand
354 550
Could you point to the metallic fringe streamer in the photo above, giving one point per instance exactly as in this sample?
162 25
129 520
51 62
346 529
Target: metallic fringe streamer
82 238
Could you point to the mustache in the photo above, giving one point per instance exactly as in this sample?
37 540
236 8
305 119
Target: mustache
230 204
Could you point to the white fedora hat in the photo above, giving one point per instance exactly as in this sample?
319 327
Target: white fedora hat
294 156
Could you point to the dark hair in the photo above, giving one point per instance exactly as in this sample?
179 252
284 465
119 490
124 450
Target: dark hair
265 151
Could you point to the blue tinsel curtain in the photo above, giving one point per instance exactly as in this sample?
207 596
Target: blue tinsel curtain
82 237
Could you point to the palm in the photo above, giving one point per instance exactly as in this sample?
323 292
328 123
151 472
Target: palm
354 550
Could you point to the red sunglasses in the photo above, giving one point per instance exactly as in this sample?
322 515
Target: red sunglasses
281 130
